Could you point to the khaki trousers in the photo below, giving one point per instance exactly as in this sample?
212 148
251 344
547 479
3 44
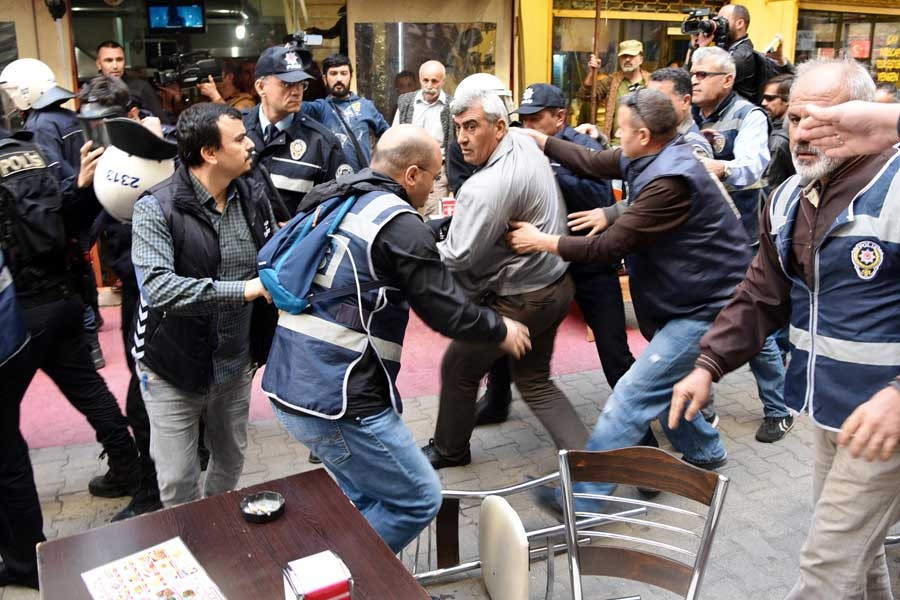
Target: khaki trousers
856 502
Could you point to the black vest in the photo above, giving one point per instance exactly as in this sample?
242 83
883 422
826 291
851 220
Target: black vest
691 272
179 348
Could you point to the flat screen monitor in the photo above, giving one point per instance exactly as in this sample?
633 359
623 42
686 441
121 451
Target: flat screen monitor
187 16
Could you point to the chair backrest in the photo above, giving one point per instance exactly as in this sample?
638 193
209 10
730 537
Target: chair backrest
503 548
645 468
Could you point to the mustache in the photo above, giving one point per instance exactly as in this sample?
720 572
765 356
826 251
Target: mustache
806 148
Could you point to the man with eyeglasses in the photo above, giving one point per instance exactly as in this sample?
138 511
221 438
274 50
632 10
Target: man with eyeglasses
738 132
298 151
685 252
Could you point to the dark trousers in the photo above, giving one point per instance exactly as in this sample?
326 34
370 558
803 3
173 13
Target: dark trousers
58 347
599 296
21 524
134 402
465 363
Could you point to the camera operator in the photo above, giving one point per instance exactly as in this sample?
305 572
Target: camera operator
226 90
298 151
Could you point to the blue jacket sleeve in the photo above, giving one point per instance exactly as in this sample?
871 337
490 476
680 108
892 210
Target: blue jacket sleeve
582 193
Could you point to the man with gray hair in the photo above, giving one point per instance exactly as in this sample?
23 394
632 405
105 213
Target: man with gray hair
429 108
828 268
739 133
514 182
685 251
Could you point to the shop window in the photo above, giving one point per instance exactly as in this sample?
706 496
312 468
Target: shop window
383 50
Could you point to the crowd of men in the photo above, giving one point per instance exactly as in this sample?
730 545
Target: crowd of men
760 205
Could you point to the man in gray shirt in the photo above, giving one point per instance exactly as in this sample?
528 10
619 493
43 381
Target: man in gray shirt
513 182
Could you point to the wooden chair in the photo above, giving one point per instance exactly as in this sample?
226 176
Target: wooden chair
628 555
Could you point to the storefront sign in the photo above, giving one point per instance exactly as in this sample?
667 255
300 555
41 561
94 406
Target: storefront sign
887 63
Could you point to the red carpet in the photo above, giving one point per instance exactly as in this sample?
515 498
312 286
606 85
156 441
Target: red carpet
49 420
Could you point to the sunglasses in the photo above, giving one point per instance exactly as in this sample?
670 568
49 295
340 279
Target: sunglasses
771 97
292 85
701 75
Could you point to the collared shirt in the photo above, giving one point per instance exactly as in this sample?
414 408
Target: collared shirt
515 184
280 125
428 116
223 298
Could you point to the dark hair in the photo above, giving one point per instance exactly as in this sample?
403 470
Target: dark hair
784 83
681 79
109 44
741 12
405 75
889 88
336 60
198 128
654 110
106 91
231 66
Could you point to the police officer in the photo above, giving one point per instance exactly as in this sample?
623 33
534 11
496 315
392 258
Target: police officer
58 132
40 221
298 151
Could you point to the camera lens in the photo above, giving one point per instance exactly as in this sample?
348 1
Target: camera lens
707 26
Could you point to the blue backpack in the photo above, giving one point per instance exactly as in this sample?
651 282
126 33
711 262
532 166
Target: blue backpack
289 261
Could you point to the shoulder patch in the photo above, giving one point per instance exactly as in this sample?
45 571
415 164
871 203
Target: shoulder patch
342 170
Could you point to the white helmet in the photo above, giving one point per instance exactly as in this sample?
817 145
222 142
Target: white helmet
135 161
490 83
32 84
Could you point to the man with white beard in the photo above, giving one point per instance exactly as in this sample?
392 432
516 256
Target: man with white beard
828 266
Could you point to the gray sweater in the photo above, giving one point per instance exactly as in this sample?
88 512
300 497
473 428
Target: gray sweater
516 184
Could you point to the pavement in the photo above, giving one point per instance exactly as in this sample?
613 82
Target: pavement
755 555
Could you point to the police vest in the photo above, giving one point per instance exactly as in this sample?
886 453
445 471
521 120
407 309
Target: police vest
313 352
727 120
845 329
691 272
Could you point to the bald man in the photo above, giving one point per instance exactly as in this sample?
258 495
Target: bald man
429 108
346 409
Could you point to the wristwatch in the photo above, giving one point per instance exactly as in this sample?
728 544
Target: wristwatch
726 172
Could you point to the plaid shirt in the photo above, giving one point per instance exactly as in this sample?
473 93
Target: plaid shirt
221 299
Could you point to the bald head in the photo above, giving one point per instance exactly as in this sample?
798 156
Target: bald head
431 80
410 156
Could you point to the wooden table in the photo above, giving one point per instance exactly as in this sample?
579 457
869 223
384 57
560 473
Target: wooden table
244 559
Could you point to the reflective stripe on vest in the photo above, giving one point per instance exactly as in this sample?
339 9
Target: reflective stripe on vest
313 352
845 330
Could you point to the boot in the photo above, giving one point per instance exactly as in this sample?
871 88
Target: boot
122 478
144 501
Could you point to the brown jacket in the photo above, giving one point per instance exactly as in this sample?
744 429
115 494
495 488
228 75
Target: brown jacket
603 88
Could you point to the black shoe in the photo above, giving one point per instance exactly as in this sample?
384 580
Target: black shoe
491 411
120 480
7 578
439 462
774 428
711 465
141 503
313 459
710 415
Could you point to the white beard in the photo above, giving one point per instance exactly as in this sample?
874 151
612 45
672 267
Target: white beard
823 165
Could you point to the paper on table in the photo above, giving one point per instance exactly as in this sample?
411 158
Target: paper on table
167 571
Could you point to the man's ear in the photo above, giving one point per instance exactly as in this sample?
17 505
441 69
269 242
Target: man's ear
501 128
208 153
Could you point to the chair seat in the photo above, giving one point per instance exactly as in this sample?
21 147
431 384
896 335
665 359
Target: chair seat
503 548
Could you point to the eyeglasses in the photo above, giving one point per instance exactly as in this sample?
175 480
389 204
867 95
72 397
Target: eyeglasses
437 176
771 97
289 85
701 75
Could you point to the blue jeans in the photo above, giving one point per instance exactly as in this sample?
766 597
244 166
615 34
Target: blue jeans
644 393
379 466
768 368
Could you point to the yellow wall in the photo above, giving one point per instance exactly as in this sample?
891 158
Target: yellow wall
37 37
455 11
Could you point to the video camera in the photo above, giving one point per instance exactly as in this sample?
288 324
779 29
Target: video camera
301 41
188 69
701 21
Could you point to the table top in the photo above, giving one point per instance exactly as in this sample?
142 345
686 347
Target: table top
244 559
